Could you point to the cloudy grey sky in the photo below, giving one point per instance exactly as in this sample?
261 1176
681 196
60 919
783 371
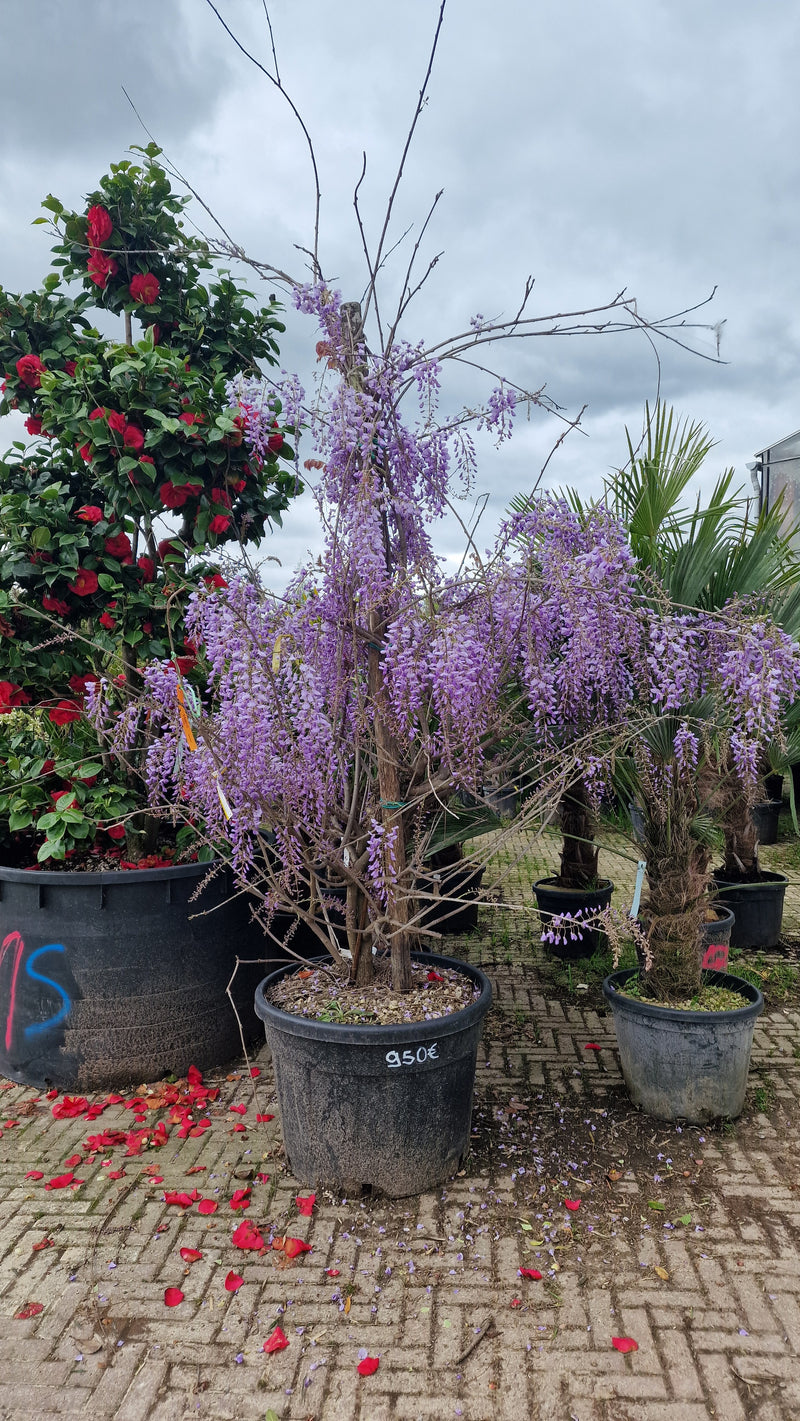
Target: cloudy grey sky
594 146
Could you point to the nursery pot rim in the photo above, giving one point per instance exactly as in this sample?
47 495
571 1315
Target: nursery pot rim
766 877
111 875
357 1033
753 1007
603 884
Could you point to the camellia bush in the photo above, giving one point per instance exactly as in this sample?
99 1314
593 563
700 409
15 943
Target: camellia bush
137 479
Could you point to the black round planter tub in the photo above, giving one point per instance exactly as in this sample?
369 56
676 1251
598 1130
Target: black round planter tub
685 1065
758 908
110 979
386 1108
552 900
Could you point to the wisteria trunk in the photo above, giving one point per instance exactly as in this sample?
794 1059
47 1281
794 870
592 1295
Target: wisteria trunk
579 851
387 755
741 841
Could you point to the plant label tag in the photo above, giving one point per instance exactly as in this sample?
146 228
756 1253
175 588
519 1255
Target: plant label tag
637 892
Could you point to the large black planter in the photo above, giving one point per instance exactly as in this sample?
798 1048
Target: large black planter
376 1107
765 817
685 1065
109 979
552 900
758 908
456 892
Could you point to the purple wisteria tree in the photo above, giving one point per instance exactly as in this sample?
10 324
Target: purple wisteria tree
345 717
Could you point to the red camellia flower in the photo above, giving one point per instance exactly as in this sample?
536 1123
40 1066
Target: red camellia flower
118 546
239 485
90 513
275 443
80 684
11 695
219 524
107 621
215 579
219 495
99 226
145 288
64 713
33 424
187 418
85 451
29 369
133 437
146 459
175 495
55 605
98 413
147 568
100 268
170 548
116 421
85 582
117 831
70 366
184 664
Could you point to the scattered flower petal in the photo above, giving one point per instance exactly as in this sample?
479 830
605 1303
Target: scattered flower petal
263 1119
172 1297
191 1255
624 1344
367 1366
207 1206
233 1282
30 1310
529 1273
305 1204
35 1174
572 1204
276 1341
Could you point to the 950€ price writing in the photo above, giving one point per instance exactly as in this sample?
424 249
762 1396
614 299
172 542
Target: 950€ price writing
416 1056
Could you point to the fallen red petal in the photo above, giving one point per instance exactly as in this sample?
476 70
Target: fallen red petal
233 1282
276 1341
238 1109
293 1246
60 1181
592 1046
246 1235
30 1310
529 1273
193 1076
262 1178
332 1272
241 1198
305 1204
207 1206
255 1072
516 1303
625 1344
72 1161
368 1366
572 1204
45 1242
70 1106
190 1255
172 1296
264 1119
434 977
117 1174
35 1174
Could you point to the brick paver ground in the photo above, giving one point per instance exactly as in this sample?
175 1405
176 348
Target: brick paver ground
686 1240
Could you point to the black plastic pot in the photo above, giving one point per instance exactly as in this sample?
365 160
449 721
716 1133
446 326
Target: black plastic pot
685 1065
456 890
765 817
552 900
109 979
773 784
758 908
719 930
381 1107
